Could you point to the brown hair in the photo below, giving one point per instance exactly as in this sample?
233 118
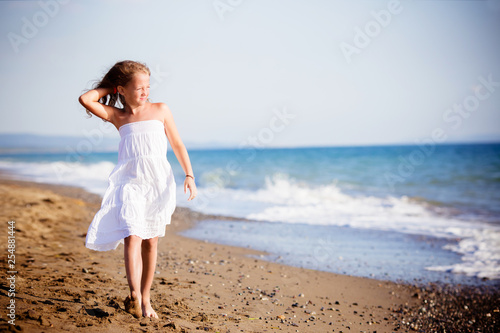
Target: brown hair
119 75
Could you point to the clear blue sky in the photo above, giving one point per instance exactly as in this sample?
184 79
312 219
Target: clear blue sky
224 66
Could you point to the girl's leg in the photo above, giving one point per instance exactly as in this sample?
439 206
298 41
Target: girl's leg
133 268
149 251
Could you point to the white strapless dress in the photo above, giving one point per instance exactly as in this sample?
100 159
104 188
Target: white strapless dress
140 198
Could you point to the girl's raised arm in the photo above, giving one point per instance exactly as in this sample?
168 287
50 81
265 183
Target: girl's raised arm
90 100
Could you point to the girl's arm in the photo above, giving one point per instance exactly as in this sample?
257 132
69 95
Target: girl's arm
179 150
90 100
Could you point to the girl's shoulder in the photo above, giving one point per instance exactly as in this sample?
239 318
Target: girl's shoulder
160 111
160 108
159 105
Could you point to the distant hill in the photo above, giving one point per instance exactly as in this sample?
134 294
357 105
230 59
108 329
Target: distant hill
24 141
36 142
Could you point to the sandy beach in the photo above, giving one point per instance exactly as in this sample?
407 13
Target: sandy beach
62 286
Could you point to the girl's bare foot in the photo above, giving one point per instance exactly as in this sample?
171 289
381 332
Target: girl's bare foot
147 310
133 305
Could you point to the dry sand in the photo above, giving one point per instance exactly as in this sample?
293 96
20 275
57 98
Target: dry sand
63 286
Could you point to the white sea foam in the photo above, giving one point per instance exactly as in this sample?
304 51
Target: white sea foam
480 255
284 200
93 177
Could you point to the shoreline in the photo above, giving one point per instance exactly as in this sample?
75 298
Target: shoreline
197 217
372 254
204 285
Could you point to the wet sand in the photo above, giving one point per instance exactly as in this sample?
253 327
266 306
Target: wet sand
62 286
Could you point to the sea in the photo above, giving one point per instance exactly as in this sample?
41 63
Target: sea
407 213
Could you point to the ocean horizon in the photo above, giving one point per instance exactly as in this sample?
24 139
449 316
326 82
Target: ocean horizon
96 141
410 213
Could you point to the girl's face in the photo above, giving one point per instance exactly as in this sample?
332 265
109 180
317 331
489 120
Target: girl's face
136 91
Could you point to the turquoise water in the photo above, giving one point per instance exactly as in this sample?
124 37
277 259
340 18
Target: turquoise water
449 193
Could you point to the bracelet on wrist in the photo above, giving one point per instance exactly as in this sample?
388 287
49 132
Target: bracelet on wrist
190 176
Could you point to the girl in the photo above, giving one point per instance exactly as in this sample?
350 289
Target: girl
140 198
